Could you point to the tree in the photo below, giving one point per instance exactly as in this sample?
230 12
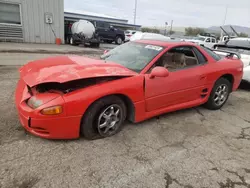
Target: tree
150 30
190 31
243 35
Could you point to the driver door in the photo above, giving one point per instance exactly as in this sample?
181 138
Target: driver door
208 42
181 86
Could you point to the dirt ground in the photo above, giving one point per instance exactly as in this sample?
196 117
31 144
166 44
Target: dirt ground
194 148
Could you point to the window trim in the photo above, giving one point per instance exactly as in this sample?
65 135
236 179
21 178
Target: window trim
20 11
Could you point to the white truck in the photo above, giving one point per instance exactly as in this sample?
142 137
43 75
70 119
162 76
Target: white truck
83 32
208 42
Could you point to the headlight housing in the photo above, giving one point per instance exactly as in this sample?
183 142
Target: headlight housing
33 102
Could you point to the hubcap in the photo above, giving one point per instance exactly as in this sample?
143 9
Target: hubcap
71 40
108 120
221 94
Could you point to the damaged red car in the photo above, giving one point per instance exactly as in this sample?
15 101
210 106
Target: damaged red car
64 97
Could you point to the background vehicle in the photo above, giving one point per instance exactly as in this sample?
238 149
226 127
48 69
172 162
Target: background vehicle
63 96
83 32
240 46
204 41
129 33
108 33
146 36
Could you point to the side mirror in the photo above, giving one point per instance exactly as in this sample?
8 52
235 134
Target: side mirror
159 72
111 27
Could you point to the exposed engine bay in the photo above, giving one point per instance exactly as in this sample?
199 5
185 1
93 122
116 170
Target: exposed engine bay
73 85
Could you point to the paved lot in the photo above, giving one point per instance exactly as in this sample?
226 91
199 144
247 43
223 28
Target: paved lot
191 148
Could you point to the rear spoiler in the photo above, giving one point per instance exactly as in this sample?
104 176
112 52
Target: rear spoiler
230 54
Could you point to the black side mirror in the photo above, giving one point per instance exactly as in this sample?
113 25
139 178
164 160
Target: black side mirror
111 28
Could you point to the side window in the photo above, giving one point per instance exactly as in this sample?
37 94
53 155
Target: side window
201 58
177 58
106 25
208 40
211 53
133 32
100 24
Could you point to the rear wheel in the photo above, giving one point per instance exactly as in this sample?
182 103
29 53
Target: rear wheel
95 45
219 94
71 41
104 118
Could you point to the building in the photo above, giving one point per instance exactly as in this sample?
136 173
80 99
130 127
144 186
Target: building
31 21
75 15
42 21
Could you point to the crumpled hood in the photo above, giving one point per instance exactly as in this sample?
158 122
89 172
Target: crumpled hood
67 68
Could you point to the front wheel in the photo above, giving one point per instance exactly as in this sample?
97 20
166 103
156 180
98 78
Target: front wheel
118 40
104 118
219 94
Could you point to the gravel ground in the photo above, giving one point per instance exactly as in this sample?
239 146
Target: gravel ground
194 148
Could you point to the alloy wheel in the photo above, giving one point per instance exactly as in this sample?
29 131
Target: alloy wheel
221 94
108 120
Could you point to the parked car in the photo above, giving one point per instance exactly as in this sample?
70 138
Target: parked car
129 33
146 36
108 33
64 97
240 46
203 41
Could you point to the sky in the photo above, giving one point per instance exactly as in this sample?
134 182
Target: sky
195 13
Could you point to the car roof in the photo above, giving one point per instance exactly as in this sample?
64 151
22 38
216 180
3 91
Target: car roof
166 43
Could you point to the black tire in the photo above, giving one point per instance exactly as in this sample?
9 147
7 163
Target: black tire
211 103
72 42
89 123
95 45
118 40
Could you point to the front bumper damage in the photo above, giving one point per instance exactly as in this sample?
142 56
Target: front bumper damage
45 126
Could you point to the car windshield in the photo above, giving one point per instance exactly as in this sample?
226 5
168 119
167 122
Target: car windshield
132 55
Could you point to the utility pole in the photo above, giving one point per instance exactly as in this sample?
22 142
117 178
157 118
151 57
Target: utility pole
166 24
224 21
170 31
135 12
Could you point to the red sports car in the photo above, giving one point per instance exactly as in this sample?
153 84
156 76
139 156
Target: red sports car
68 96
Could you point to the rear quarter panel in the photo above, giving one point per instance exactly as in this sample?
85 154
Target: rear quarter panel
216 69
78 101
224 67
